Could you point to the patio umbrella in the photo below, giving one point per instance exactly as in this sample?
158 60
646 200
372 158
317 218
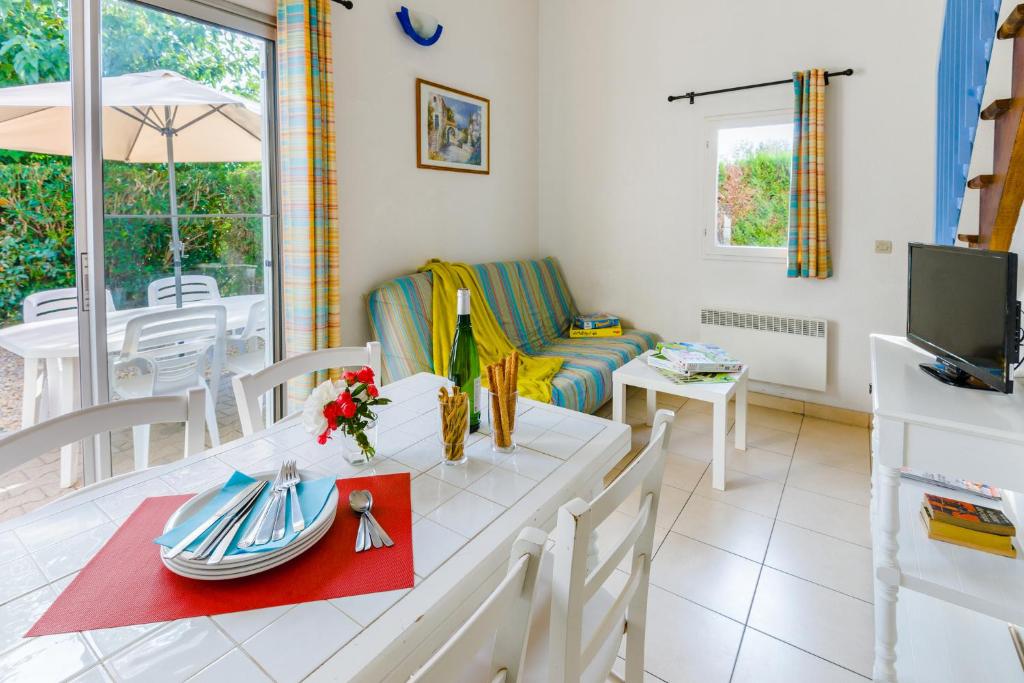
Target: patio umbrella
148 117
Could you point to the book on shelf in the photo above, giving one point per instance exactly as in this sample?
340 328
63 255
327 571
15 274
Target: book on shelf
967 538
579 333
596 321
953 484
968 515
691 357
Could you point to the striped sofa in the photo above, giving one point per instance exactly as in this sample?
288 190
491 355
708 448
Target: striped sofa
534 307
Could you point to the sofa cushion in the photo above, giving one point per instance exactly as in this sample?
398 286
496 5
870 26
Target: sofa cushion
530 300
585 381
401 312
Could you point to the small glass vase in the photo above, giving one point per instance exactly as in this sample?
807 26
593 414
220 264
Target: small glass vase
350 448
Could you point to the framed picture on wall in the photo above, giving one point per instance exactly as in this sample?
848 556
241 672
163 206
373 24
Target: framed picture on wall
453 129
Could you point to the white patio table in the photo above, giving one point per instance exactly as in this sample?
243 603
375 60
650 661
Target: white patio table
55 342
464 521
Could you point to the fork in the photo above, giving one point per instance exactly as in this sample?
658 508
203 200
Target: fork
281 490
291 480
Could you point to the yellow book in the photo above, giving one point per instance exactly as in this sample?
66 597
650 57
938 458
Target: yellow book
577 333
976 540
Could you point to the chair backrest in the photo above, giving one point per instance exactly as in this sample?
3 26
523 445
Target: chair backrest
19 447
193 288
256 322
174 344
249 388
503 618
573 583
54 303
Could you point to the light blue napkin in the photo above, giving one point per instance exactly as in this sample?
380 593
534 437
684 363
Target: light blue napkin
313 496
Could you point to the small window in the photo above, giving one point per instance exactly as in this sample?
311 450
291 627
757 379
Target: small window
749 160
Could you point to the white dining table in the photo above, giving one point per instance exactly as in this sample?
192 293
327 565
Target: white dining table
55 343
465 519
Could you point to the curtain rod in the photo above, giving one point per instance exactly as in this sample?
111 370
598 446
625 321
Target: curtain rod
347 4
691 95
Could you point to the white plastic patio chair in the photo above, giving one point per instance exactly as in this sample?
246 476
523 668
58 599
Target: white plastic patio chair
167 353
45 305
19 447
249 347
249 388
490 645
578 637
193 288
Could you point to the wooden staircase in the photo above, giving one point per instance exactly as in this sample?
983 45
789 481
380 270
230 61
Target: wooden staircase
1002 191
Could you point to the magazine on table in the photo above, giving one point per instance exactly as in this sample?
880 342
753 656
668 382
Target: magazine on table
953 484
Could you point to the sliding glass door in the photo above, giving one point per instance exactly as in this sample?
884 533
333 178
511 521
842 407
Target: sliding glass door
188 215
137 186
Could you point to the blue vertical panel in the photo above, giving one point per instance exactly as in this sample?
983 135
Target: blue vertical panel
967 36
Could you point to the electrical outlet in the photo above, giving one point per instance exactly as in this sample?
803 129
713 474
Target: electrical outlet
883 246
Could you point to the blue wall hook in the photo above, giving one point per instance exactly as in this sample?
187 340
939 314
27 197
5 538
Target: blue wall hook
405 19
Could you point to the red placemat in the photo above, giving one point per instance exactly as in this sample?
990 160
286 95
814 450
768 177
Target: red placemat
126 583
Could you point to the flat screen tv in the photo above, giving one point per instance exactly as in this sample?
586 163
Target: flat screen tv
962 306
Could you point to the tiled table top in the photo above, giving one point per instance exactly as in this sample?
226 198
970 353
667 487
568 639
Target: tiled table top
465 516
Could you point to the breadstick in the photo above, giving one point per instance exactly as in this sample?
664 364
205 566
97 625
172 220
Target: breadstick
492 380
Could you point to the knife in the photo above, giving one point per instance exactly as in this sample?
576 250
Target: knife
235 501
237 520
214 537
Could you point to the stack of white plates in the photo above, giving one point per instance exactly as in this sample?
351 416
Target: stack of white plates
246 564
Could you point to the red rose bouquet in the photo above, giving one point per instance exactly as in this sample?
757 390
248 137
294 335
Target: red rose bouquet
346 405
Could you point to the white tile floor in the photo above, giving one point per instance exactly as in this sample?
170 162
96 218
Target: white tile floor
769 581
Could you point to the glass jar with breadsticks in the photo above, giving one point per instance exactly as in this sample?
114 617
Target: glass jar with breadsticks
453 430
502 378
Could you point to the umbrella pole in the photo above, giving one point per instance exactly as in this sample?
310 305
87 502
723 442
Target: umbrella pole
172 187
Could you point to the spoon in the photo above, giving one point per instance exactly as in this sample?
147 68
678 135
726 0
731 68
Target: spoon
375 524
356 501
363 501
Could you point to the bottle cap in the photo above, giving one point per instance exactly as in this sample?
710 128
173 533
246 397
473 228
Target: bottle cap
462 300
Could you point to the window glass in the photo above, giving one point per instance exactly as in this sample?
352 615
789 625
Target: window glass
753 165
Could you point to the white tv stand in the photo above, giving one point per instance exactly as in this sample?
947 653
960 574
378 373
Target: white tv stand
976 435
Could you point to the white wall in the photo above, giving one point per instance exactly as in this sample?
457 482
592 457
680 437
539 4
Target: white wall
394 216
620 168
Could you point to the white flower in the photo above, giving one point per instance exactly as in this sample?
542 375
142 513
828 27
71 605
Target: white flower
313 419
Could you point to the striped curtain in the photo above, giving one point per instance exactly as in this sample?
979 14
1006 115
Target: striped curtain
809 254
309 199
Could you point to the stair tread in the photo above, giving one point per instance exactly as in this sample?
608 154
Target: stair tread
980 181
996 109
1013 24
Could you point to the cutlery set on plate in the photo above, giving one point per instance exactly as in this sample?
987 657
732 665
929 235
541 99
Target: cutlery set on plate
267 511
230 518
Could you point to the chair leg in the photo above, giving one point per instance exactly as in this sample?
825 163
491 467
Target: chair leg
140 444
636 626
30 394
211 419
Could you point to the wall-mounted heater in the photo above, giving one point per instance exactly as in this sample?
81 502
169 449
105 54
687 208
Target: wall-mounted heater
781 349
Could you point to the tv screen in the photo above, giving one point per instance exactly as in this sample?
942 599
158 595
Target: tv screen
962 306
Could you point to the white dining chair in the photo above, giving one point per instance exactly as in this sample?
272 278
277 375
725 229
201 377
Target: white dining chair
17 448
46 305
577 637
170 352
490 645
247 350
249 388
193 288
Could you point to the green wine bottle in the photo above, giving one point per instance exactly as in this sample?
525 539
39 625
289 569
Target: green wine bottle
464 363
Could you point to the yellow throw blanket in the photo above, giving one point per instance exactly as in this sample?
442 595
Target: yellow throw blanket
535 372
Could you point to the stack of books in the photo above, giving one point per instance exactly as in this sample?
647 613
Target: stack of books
965 524
691 358
595 325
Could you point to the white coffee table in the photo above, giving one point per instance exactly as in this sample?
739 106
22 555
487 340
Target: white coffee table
636 373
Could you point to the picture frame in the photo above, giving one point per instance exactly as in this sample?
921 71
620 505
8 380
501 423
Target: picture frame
453 129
